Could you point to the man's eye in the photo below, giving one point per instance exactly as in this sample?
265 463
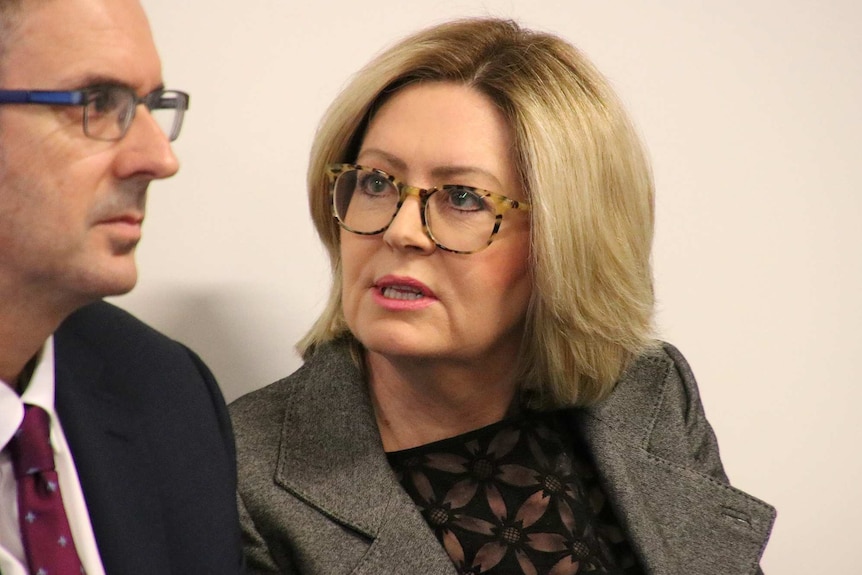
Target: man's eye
104 100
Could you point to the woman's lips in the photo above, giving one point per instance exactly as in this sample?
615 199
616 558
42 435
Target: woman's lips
400 293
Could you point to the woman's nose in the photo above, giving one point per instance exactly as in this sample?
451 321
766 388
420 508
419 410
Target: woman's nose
406 231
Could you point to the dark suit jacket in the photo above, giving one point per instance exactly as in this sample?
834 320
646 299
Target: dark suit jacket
152 443
317 495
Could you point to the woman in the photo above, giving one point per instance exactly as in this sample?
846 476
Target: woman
481 394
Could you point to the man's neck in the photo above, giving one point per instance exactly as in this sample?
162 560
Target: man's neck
24 327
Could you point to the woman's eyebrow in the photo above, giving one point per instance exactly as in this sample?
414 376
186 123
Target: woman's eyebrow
390 159
439 173
444 172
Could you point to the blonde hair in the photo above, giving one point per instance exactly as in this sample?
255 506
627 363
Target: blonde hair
585 173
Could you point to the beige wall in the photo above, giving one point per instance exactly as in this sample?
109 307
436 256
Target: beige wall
751 111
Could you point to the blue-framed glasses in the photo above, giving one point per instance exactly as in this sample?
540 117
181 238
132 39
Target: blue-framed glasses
110 109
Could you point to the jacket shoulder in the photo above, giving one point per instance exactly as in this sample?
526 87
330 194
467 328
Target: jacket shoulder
317 376
656 404
111 328
132 360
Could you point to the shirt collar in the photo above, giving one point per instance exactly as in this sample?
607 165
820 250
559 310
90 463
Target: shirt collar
40 391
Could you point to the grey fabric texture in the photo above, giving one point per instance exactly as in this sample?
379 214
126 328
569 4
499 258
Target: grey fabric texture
317 496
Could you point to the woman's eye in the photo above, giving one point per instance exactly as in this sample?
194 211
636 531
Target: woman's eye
374 184
464 199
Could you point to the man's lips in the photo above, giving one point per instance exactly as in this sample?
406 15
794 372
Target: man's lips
129 219
123 228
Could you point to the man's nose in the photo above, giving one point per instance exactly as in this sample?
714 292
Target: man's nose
146 150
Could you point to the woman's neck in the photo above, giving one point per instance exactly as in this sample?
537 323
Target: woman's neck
418 401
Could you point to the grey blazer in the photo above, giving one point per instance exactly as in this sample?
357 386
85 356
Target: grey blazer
317 495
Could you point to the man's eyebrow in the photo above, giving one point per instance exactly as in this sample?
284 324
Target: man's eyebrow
93 80
101 80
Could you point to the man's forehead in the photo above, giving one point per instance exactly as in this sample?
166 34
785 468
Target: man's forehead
60 43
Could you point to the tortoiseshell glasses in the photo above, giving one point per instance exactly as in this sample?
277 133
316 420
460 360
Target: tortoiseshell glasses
459 219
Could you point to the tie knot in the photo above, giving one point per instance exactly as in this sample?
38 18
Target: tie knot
30 447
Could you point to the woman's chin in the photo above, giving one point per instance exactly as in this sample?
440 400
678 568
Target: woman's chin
395 347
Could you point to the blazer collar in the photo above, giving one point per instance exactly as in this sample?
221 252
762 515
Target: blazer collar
331 457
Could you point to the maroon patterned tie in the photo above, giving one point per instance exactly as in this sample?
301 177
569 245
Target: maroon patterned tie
44 528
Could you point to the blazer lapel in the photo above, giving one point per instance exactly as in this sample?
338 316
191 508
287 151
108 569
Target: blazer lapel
331 457
100 421
679 520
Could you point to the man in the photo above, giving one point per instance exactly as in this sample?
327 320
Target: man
141 441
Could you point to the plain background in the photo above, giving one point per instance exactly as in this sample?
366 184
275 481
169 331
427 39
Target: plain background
751 112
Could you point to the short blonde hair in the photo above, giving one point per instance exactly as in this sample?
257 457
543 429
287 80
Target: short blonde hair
583 168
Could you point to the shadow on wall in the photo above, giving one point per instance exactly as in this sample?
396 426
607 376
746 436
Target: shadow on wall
239 331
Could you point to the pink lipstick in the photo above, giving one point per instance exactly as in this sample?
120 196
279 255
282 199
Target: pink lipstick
402 293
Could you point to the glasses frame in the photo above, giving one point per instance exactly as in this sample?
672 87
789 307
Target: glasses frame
502 204
153 101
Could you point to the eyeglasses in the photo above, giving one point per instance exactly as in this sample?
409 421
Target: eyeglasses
109 110
460 219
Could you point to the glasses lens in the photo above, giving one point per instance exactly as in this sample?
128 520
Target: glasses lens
108 112
364 201
168 108
460 218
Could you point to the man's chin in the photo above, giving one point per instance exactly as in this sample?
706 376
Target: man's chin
117 277
122 283
124 247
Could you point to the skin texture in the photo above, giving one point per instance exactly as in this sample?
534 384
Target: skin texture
71 207
452 356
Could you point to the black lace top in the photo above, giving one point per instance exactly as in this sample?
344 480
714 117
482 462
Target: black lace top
519 497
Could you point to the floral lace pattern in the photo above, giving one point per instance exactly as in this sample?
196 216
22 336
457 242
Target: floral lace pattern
516 497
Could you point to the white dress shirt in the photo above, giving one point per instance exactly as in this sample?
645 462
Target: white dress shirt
40 392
